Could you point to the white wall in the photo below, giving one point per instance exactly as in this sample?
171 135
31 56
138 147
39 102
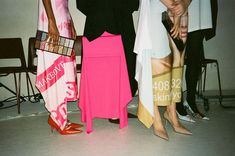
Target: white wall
222 47
18 18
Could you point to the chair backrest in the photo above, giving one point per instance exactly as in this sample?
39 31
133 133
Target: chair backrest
12 48
78 52
32 56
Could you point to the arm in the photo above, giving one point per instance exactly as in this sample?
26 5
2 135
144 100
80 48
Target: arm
52 28
171 6
181 7
177 8
168 3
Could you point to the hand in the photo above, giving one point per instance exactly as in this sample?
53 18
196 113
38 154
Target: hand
175 31
179 8
53 31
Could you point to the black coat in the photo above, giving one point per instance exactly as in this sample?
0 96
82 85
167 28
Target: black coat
210 33
115 17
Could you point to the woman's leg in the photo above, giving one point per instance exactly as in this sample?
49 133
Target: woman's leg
194 53
170 113
177 72
181 109
161 91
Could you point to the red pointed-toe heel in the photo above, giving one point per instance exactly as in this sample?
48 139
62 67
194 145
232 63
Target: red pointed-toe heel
66 131
74 125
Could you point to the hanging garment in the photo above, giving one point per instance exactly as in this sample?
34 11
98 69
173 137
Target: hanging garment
203 16
200 16
151 41
104 85
115 17
56 75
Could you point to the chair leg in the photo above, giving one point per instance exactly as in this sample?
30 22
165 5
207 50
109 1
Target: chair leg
199 84
27 85
17 86
201 88
204 79
29 82
219 83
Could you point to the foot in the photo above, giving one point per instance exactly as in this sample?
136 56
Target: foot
161 133
131 115
114 121
117 121
195 114
188 108
199 115
159 130
187 118
68 130
176 125
74 125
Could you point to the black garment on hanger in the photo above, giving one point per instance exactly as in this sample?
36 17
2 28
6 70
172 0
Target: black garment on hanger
210 33
115 17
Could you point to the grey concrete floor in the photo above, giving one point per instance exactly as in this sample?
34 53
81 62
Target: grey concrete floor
28 134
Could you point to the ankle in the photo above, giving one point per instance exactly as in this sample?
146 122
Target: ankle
172 118
171 114
158 124
193 106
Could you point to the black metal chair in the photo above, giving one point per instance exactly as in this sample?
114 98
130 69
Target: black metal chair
32 65
202 83
12 49
78 52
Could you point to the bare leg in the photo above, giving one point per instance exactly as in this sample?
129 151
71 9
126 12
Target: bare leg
171 116
160 70
177 70
159 129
